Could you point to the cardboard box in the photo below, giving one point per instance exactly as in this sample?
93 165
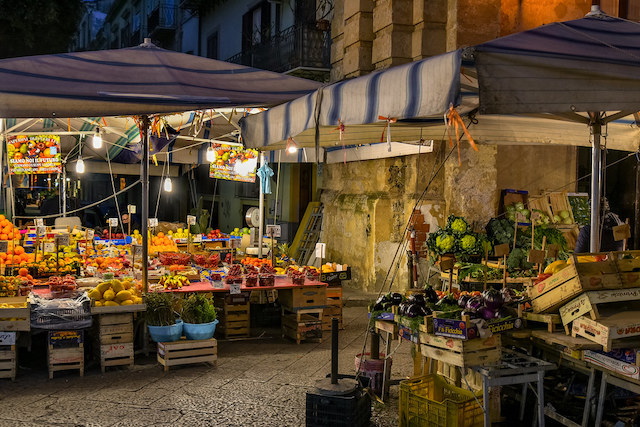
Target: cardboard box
615 365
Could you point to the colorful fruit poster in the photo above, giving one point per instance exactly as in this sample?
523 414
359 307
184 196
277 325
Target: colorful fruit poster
34 154
234 163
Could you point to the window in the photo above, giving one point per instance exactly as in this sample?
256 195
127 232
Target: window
212 45
256 26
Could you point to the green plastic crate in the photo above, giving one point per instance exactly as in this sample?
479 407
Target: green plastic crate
430 401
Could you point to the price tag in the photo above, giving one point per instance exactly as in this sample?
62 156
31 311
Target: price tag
113 222
447 263
552 250
521 218
41 230
274 230
321 250
234 243
48 247
62 239
536 256
621 232
191 220
234 288
137 251
39 222
7 338
4 246
153 222
217 284
535 215
501 250
90 234
197 238
131 209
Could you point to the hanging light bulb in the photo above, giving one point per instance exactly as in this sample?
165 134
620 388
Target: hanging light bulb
292 147
97 140
168 186
211 154
80 165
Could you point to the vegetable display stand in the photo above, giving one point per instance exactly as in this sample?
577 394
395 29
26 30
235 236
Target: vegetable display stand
8 361
610 332
234 315
333 308
430 401
17 316
553 292
553 321
116 340
186 352
65 351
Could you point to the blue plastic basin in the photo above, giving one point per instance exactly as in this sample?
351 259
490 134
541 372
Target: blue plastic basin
199 331
166 333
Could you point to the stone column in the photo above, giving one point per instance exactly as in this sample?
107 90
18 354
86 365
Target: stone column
337 41
429 28
358 37
393 28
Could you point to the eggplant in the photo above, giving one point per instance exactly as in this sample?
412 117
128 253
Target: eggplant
426 310
414 310
492 299
462 301
505 311
430 295
474 304
396 298
471 314
378 307
417 299
508 295
447 299
486 313
402 308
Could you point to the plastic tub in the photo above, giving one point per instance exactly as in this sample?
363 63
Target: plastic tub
199 331
372 369
166 333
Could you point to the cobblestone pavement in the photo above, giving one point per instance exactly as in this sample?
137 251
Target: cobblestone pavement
257 382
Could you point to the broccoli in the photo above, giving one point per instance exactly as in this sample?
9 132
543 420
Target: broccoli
457 224
445 242
468 243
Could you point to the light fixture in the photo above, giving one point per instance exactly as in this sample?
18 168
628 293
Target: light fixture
292 147
168 186
80 165
97 140
211 154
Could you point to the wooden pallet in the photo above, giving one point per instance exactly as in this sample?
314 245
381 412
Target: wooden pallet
608 300
552 321
302 325
186 352
116 340
610 332
8 361
462 353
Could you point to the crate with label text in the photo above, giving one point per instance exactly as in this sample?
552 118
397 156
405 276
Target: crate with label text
65 351
628 263
600 303
15 314
467 328
611 331
233 314
624 361
462 353
115 340
186 352
584 273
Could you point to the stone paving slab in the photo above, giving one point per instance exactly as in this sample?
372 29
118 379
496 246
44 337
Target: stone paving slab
258 382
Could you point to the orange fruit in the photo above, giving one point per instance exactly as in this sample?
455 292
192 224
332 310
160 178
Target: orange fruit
2 217
19 250
3 236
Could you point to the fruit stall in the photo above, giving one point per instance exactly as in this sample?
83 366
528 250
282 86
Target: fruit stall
514 284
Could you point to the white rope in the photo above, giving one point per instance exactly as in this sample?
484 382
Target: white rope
275 212
113 187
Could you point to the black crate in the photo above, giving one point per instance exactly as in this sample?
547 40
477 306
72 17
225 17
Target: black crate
352 410
266 315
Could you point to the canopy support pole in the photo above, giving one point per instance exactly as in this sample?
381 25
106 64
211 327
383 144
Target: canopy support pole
261 207
144 178
596 179
63 191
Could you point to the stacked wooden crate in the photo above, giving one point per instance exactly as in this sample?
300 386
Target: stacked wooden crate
8 355
302 311
65 351
233 314
333 307
185 352
115 339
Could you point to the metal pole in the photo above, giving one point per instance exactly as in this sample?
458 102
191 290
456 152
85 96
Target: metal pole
261 207
636 205
334 351
596 171
63 190
144 178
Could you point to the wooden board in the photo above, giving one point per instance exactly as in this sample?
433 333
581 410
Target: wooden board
541 203
186 352
560 339
551 320
64 359
606 330
460 352
306 297
559 201
587 303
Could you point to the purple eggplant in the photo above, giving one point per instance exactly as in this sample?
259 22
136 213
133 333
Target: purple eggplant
486 313
474 304
416 299
414 310
492 299
462 301
396 298
430 295
508 295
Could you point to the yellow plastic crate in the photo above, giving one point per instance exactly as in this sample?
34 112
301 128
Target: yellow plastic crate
430 401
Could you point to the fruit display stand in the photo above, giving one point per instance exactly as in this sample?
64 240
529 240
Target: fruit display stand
185 352
65 351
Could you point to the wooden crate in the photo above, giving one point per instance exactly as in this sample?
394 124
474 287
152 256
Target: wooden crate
559 201
234 321
65 359
328 314
607 331
551 320
541 203
8 361
462 353
588 302
305 297
302 325
116 340
186 352
21 315
550 294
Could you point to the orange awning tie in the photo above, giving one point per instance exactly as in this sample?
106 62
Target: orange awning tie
453 119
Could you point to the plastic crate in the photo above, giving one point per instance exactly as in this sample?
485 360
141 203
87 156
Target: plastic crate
353 410
64 314
430 401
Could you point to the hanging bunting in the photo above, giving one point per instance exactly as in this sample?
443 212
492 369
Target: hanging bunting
387 128
453 119
340 128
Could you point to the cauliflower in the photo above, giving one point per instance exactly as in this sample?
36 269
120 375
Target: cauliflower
468 243
457 224
445 242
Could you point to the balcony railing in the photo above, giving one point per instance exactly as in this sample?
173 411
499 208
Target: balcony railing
163 17
295 47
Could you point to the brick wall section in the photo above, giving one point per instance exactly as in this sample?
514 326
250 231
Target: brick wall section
422 230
